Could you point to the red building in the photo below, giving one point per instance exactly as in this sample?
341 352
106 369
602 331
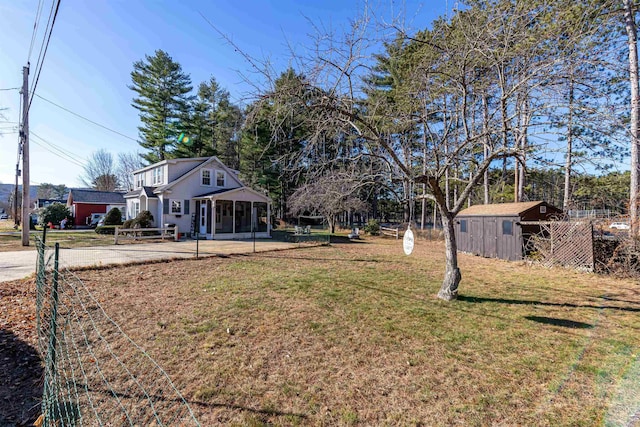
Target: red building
83 203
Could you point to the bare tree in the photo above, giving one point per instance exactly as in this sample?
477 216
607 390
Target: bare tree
100 172
454 102
127 163
329 195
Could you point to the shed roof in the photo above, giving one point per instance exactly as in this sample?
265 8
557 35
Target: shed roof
498 209
94 196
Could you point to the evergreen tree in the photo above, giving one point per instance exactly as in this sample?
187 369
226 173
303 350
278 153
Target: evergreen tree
162 90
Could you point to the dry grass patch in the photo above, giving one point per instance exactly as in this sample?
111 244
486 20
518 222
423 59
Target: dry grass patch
352 334
67 239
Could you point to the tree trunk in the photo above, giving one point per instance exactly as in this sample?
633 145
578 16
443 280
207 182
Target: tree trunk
566 201
485 130
452 276
632 37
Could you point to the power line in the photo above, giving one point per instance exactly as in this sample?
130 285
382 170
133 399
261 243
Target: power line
10 88
59 151
33 90
72 156
36 23
38 61
57 154
84 118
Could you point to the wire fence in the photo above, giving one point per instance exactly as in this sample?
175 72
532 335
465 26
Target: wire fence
94 373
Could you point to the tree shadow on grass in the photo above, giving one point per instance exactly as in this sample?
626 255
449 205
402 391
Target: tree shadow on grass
20 381
550 304
143 397
565 323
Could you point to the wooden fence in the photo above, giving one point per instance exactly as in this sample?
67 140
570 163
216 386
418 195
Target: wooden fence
565 243
393 232
143 233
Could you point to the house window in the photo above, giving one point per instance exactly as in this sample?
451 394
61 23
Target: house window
463 225
543 209
220 178
135 209
176 207
140 180
507 228
206 177
158 176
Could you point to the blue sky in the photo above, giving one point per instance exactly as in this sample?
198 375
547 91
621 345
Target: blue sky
94 44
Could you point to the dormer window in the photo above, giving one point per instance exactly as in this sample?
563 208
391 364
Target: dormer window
205 175
220 179
158 176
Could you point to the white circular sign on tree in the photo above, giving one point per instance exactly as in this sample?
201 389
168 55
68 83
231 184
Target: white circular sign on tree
407 241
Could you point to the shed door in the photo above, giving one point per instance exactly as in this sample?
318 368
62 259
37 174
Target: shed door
477 236
490 238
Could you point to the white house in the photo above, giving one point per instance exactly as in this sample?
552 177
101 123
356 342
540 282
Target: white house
200 195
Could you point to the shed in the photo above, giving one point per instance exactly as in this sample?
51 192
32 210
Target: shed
495 230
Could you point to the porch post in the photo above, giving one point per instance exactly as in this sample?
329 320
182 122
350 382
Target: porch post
233 216
213 219
269 219
253 219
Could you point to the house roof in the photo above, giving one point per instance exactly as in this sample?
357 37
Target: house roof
498 209
148 191
233 190
94 196
164 162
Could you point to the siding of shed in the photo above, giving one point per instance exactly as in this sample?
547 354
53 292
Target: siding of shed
484 237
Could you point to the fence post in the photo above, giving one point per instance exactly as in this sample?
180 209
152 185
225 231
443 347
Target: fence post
197 243
175 233
44 234
40 282
115 235
50 374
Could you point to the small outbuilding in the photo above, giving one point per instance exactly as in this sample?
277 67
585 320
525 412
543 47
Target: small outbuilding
501 230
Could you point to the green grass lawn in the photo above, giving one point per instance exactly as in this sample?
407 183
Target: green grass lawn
352 334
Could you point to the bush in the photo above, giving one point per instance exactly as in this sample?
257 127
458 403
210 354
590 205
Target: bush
143 220
372 227
106 229
54 213
113 217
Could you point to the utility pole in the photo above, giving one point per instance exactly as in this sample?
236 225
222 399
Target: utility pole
16 219
24 134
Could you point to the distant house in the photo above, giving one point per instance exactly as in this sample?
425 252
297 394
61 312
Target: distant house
83 203
496 230
199 195
43 203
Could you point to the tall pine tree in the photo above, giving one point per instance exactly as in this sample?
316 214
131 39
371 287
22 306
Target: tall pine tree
162 90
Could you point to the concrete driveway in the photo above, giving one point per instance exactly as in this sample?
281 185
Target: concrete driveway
19 264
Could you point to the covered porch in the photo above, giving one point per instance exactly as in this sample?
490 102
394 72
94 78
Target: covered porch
232 214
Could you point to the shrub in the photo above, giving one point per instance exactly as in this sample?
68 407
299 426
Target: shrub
106 229
113 217
128 223
143 220
372 227
54 213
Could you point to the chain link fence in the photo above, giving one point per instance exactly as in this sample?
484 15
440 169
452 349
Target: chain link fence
94 374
